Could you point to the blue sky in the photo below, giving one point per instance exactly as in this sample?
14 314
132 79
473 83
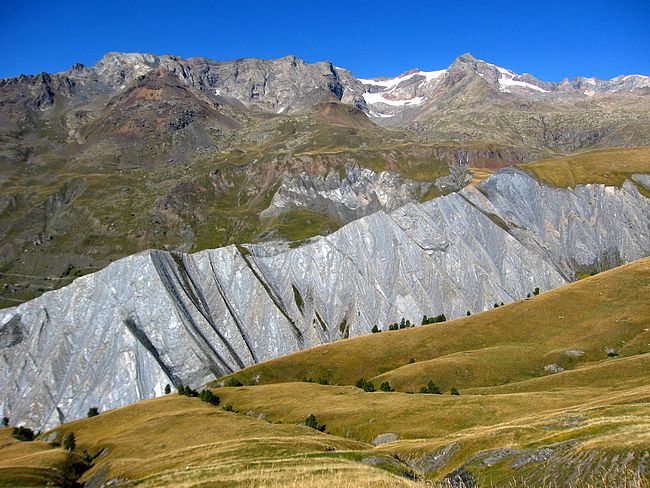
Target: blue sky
548 39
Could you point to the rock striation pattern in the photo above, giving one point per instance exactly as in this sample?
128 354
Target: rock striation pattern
357 193
156 318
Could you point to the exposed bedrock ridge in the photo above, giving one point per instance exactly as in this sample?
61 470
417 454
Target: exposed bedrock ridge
357 193
156 318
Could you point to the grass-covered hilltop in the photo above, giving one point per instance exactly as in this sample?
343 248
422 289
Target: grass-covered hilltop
552 391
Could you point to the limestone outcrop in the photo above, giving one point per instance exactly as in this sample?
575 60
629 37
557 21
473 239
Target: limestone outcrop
156 318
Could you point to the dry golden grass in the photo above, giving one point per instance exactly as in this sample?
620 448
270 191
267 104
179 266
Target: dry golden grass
28 463
167 434
596 411
607 166
304 472
504 345
479 174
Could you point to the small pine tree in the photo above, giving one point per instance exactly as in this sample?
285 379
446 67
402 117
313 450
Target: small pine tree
365 385
323 381
385 386
411 361
375 329
69 442
5 421
233 382
501 304
181 390
313 423
528 296
93 412
431 388
425 320
168 389
190 392
454 391
496 305
469 313
402 324
208 396
536 291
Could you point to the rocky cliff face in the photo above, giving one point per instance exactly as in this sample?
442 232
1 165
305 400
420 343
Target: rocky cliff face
156 318
357 193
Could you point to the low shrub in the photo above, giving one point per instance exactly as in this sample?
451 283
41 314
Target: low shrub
208 396
69 442
23 433
365 384
431 388
313 423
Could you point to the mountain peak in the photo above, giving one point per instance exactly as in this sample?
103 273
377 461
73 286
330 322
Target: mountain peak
467 58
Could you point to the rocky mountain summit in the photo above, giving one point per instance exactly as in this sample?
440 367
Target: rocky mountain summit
157 318
415 88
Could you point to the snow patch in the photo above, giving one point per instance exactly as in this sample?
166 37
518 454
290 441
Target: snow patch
506 83
507 80
393 82
389 83
504 71
432 75
373 98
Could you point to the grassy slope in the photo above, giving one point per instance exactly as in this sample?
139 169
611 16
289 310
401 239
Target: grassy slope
30 463
512 343
606 166
592 416
176 440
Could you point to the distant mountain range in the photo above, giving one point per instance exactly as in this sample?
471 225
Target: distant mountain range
142 151
435 103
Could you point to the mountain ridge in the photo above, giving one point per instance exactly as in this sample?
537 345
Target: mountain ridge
185 155
227 308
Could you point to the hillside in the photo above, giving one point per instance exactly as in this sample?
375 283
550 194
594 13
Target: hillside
567 327
141 151
185 318
513 424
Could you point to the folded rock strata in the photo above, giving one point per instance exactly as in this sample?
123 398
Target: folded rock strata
155 318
